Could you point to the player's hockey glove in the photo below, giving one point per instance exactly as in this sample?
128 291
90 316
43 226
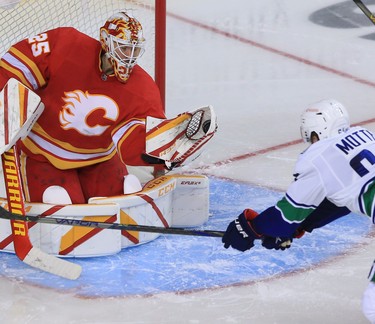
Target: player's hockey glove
240 234
277 243
281 243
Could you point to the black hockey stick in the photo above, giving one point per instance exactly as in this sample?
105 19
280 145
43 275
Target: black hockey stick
365 10
136 228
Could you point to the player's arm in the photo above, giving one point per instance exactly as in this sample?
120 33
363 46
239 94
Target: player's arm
301 200
270 227
326 213
168 142
129 139
282 220
27 61
278 233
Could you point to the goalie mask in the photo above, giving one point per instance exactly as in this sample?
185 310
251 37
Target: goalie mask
325 118
122 39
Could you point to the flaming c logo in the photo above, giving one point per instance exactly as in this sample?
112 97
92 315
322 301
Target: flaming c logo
88 114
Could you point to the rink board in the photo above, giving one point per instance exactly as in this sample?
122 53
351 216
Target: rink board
181 264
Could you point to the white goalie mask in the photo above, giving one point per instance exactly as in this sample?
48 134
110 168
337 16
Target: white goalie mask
122 39
325 118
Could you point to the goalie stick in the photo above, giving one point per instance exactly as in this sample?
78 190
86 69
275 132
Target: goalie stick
115 226
19 115
365 10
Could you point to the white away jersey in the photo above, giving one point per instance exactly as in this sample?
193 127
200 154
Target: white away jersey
341 169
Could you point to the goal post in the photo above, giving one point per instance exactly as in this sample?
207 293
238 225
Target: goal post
160 45
20 19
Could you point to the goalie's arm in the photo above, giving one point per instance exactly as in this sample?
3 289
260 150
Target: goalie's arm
167 142
19 61
130 141
132 148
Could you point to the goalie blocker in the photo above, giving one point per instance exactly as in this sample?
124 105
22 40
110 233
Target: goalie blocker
180 140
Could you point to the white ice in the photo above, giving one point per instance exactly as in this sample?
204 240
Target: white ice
272 62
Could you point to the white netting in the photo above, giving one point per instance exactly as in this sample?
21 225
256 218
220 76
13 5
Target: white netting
20 19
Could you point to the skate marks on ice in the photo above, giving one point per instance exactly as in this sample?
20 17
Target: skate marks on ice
184 264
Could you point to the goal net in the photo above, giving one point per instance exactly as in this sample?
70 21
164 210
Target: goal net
21 19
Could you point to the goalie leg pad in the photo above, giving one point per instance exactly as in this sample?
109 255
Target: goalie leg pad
171 200
47 236
73 241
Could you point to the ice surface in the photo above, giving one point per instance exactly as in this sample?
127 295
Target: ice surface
187 264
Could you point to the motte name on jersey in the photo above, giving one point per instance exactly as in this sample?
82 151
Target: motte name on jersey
355 139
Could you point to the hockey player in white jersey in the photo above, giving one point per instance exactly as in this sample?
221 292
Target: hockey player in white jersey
334 176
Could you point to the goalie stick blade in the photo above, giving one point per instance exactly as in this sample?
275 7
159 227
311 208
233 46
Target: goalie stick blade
49 263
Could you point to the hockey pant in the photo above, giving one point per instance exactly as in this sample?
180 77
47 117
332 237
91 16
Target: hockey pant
100 180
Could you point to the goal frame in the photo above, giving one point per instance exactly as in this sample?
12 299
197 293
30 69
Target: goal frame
160 46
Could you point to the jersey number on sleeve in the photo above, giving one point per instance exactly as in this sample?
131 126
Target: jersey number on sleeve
39 44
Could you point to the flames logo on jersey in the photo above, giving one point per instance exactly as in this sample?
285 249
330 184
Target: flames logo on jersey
88 114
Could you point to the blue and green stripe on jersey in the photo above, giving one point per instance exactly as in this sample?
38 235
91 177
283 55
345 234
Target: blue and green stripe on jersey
366 201
292 211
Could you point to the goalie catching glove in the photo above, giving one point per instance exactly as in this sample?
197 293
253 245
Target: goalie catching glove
240 234
177 141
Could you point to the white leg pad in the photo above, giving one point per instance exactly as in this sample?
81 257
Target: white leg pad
171 200
50 235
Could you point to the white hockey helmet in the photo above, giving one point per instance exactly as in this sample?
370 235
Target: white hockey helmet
325 118
122 39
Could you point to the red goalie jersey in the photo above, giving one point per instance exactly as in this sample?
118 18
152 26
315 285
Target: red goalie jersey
89 116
